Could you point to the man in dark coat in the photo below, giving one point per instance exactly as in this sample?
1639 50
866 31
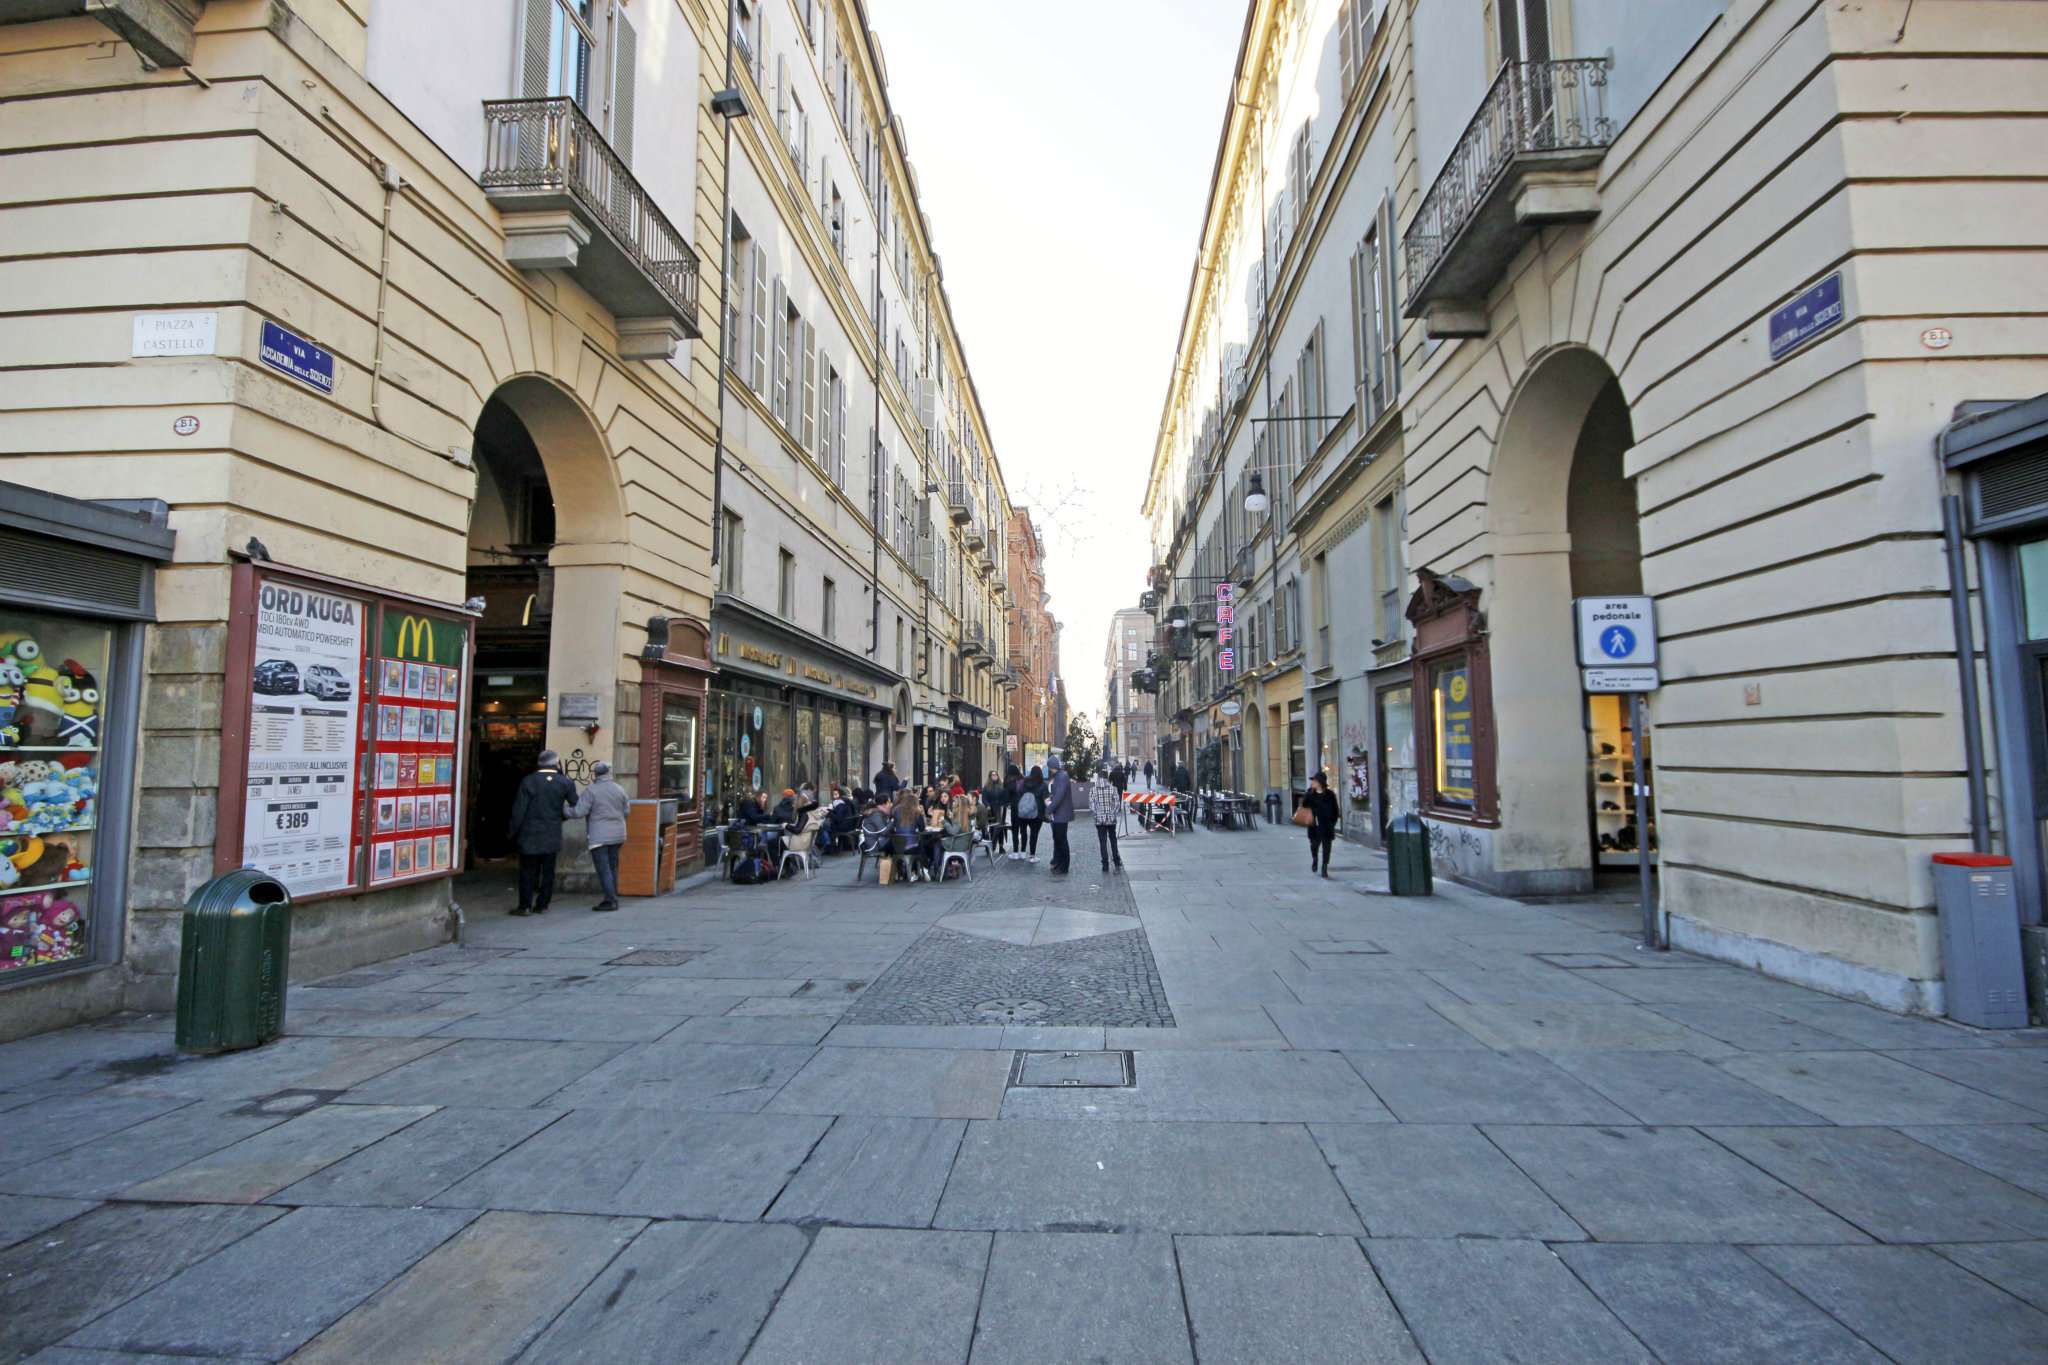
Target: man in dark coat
544 799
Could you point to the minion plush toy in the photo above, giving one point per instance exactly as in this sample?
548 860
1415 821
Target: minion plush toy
79 727
42 705
12 682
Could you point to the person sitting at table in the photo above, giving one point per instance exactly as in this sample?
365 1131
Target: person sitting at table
876 827
909 831
754 809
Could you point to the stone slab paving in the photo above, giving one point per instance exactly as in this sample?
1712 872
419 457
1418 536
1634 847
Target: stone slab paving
776 1123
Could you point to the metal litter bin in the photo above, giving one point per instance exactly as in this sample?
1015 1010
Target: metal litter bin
1408 856
232 962
1982 979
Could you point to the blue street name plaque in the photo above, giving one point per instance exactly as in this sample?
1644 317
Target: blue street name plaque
301 359
1806 317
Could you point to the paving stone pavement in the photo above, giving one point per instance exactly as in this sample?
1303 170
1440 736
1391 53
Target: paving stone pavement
786 1123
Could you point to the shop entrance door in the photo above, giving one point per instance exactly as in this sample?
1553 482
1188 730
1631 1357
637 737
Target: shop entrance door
508 707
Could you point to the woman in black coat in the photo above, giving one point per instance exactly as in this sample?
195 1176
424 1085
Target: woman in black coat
538 809
995 802
1320 802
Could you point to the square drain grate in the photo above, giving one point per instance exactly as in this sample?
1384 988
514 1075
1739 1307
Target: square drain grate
1061 1070
655 957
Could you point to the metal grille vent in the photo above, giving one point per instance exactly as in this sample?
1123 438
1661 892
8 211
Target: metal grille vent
2016 486
42 569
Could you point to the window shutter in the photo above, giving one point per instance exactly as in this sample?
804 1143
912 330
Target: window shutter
881 489
757 375
782 100
535 19
808 348
1390 331
778 383
625 66
839 432
1347 61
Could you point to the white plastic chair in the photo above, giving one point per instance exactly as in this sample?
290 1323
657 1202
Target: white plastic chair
798 846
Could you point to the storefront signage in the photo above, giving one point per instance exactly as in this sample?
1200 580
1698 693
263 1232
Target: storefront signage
1226 627
1807 316
776 661
300 789
1230 708
175 333
290 353
419 675
1621 679
1616 632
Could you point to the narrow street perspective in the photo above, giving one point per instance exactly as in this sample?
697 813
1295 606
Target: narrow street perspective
1210 1110
938 682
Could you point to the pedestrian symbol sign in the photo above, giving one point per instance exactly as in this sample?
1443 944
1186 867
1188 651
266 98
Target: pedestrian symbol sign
1616 631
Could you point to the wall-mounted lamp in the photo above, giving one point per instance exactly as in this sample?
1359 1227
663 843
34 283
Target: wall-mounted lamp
1255 500
729 103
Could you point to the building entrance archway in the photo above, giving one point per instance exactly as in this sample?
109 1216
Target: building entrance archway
544 556
1563 522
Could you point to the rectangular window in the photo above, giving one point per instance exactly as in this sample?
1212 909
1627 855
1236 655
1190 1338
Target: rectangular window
899 644
1369 301
835 216
788 327
829 619
738 253
785 591
1300 170
828 436
731 550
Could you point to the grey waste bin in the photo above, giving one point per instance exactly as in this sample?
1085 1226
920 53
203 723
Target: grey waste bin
1983 983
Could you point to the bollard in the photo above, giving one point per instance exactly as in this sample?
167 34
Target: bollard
232 962
1408 856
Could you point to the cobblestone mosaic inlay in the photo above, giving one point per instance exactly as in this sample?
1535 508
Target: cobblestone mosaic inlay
950 978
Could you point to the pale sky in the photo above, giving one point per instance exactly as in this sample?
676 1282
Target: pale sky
1063 151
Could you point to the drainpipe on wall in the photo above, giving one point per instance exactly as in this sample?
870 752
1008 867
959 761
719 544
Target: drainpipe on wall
1966 667
718 355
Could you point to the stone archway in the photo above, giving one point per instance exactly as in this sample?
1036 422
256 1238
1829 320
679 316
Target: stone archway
547 556
1561 522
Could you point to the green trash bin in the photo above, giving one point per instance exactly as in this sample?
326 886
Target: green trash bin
232 962
1408 856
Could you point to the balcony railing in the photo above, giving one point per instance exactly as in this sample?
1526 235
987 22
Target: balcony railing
973 641
959 500
544 155
1554 112
973 534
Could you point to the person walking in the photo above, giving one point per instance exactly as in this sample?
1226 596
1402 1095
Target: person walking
538 809
1059 809
1320 803
1106 804
995 810
1030 813
1148 774
1120 777
602 808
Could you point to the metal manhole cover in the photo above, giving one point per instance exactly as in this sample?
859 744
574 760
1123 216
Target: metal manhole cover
1582 961
1061 1070
1012 1011
655 957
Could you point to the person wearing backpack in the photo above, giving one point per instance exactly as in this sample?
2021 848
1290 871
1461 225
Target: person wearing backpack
1059 808
1030 814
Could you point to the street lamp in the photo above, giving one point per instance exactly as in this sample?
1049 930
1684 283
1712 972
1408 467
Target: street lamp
1177 617
1255 500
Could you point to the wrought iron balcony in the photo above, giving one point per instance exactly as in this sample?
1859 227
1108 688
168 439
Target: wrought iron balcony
1529 156
568 203
1020 665
959 499
973 642
973 534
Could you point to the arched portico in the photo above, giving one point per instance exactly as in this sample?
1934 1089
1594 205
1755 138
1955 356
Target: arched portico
547 556
1561 519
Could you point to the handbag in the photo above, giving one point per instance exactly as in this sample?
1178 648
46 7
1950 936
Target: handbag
1304 817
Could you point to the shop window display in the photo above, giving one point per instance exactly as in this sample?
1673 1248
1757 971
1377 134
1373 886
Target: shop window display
53 672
